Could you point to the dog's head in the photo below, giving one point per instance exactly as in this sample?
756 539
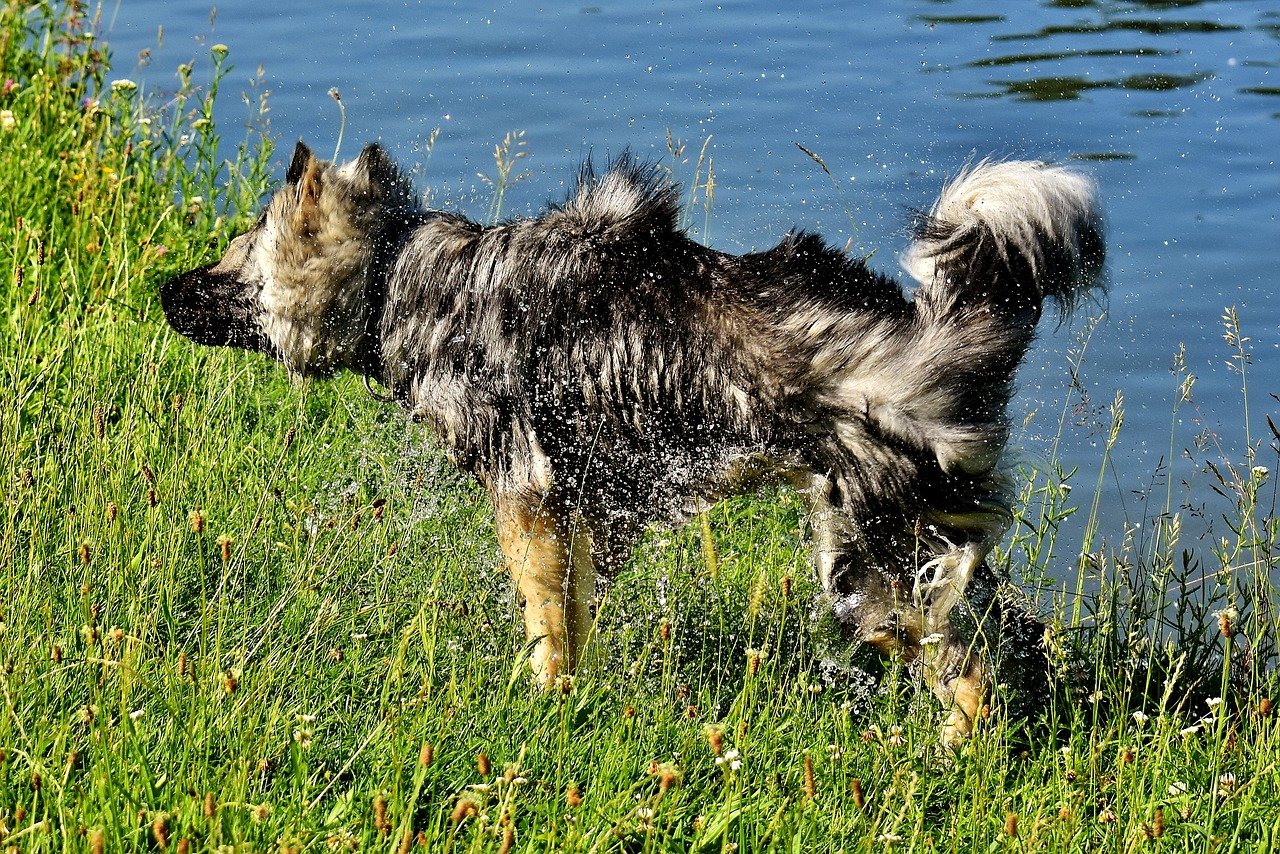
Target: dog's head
296 285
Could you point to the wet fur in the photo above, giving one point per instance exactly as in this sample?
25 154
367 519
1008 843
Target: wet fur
599 371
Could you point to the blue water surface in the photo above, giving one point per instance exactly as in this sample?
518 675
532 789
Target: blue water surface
1173 105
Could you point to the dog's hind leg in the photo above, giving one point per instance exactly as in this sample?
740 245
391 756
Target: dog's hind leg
549 558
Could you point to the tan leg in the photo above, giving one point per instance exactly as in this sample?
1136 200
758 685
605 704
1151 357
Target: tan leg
550 562
955 674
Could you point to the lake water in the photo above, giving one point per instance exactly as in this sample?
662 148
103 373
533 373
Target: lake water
1173 105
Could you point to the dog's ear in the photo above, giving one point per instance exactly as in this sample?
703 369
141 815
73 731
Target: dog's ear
379 168
306 177
301 157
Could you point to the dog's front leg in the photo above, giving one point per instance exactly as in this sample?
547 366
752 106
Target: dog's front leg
549 558
958 675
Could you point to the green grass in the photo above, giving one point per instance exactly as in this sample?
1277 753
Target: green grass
236 613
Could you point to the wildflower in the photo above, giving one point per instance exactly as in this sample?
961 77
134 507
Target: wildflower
889 838
1108 816
302 735
259 813
124 84
1227 781
9 85
1260 473
1176 788
219 50
895 736
1189 731
137 714
1213 702
732 759
1141 718
7 120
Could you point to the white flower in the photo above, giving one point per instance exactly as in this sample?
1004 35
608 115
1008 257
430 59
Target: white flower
1213 702
7 121
1260 473
1141 718
137 714
1227 781
1190 731
1176 788
124 84
731 758
931 640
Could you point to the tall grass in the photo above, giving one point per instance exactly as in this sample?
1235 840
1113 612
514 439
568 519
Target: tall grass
238 615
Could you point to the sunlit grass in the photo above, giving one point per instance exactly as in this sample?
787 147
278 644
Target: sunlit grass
238 613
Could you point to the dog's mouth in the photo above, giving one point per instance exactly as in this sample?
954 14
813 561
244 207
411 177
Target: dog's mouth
213 308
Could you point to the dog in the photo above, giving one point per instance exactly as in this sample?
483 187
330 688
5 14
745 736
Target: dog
598 371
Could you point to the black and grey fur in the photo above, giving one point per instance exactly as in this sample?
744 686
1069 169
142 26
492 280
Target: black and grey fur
598 371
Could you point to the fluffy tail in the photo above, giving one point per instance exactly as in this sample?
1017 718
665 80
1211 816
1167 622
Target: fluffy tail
1009 235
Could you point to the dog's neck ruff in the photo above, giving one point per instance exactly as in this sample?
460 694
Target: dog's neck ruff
369 361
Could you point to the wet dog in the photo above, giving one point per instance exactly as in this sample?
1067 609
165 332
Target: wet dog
599 371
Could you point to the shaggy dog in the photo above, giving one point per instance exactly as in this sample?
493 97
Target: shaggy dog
599 371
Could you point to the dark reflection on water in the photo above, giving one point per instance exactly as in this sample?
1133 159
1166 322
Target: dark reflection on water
1068 88
1054 56
1052 75
1150 27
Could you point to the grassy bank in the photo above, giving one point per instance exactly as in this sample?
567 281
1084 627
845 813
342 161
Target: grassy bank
240 615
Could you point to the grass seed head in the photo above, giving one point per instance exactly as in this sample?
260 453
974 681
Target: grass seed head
715 737
113 512
197 520
225 543
1157 824
859 796
97 841
1264 707
463 810
56 653
86 553
482 764
427 753
573 796
152 499
380 819
210 805
810 783
160 832
1011 825
230 682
